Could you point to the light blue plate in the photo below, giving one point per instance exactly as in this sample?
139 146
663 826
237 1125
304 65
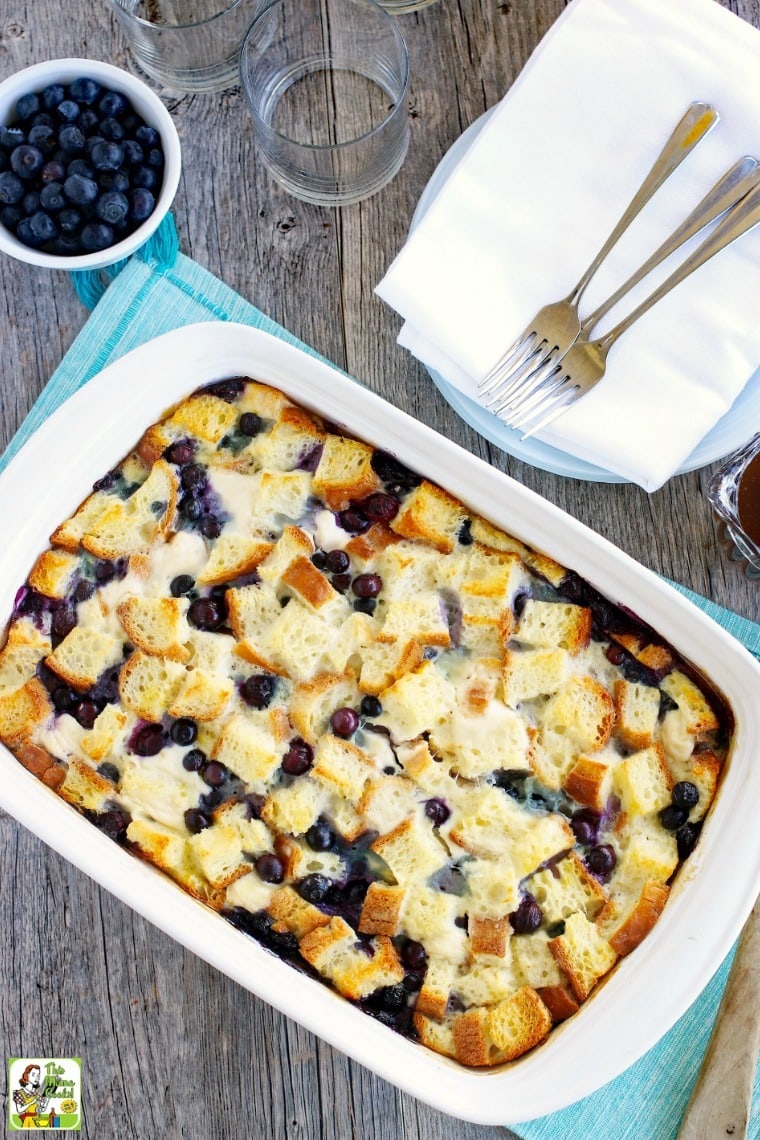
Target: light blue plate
734 429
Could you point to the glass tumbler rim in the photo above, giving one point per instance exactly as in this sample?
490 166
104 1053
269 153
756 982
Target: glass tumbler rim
122 7
329 146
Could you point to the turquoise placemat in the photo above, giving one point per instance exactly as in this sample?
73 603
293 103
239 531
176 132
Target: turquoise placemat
159 290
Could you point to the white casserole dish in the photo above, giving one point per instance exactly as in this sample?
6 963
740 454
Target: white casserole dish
648 991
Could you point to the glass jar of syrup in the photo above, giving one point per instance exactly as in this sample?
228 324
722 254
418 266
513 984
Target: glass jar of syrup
734 494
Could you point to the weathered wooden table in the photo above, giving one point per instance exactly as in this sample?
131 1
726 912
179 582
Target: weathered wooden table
170 1047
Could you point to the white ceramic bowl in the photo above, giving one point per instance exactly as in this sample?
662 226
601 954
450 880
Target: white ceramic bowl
145 102
649 990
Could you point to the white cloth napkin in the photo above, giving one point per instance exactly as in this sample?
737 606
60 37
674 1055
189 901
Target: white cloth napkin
524 212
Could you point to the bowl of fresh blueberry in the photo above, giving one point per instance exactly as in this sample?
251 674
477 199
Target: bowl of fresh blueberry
89 164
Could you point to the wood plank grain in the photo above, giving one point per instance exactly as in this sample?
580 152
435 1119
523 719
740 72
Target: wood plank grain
171 1048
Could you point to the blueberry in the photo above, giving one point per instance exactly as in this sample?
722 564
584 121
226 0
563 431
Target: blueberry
66 245
319 559
3 161
615 653
79 190
67 110
31 202
88 121
210 527
107 155
464 536
320 836
391 471
155 157
45 138
71 140
365 605
341 582
96 236
196 820
298 758
85 90
43 227
194 760
413 955
314 888
344 722
180 452
685 795
10 216
112 130
52 96
114 824
133 152
145 177
113 105
380 507
686 838
337 561
117 180
91 143
184 731
27 106
141 205
53 171
204 613
108 772
353 521
528 916
601 859
80 166
25 235
64 620
370 707
437 811
193 477
672 817
112 207
83 590
85 713
254 805
270 869
148 740
65 698
190 508
69 221
250 424
367 585
258 690
11 137
51 197
182 584
215 774
27 160
147 136
585 825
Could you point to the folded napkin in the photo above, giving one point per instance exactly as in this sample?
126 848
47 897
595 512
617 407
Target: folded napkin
526 209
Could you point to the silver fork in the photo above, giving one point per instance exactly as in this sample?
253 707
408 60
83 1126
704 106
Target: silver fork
556 326
731 188
585 363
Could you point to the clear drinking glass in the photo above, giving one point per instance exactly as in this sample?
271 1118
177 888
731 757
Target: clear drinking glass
326 81
734 494
188 45
398 7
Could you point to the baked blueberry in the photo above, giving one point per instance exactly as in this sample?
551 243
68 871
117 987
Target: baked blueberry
270 869
685 795
258 690
184 731
299 757
528 917
344 722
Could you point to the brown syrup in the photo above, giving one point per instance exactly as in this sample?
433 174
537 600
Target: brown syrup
749 500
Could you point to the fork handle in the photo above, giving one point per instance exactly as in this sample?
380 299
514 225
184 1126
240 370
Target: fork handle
735 183
739 219
697 121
